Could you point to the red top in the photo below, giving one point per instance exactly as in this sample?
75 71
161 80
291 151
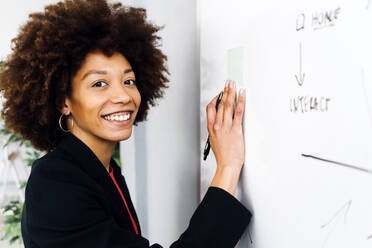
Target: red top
111 172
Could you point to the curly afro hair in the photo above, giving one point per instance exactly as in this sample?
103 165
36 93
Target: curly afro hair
51 47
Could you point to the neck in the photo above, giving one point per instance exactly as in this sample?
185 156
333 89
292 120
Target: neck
103 149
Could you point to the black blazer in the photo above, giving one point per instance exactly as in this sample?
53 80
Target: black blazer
71 202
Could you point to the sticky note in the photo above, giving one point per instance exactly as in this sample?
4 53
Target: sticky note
235 63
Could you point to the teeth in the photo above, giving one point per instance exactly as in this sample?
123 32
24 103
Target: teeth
117 117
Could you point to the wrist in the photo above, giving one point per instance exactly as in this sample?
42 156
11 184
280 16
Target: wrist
226 178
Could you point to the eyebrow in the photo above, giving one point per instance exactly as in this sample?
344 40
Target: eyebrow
101 72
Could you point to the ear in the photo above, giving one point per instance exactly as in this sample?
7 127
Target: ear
66 109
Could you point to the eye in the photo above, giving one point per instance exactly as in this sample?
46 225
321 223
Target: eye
131 81
99 82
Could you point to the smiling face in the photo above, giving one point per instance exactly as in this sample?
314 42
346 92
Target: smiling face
104 95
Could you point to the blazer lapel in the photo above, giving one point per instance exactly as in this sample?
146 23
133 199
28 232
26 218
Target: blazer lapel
90 164
123 186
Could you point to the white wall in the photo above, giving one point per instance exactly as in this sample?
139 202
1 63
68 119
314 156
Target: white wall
165 176
12 14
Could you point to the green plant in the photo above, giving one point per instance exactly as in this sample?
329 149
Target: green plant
12 223
13 210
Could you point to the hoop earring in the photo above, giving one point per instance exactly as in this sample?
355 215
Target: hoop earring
60 124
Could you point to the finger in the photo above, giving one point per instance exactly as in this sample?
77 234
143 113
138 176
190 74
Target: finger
239 110
211 113
229 106
213 102
219 116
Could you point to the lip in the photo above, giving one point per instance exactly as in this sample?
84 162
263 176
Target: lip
119 123
127 110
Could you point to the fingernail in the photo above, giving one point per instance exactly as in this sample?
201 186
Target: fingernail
242 92
227 83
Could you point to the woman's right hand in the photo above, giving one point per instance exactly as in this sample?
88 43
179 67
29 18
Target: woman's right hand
226 137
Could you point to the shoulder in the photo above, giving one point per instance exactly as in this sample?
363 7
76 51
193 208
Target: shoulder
52 173
58 191
58 179
53 161
55 167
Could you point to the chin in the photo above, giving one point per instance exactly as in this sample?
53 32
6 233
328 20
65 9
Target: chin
120 136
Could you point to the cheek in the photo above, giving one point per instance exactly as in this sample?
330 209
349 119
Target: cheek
138 99
89 108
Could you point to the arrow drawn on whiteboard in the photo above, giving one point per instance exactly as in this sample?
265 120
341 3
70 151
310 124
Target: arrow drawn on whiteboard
338 163
346 206
301 77
344 209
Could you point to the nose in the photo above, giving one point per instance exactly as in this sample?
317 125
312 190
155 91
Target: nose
122 99
120 95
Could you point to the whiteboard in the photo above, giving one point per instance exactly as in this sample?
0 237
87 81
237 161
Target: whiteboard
307 70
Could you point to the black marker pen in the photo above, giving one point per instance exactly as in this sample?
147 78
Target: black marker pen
207 146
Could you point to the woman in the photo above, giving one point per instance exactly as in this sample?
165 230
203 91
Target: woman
81 74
